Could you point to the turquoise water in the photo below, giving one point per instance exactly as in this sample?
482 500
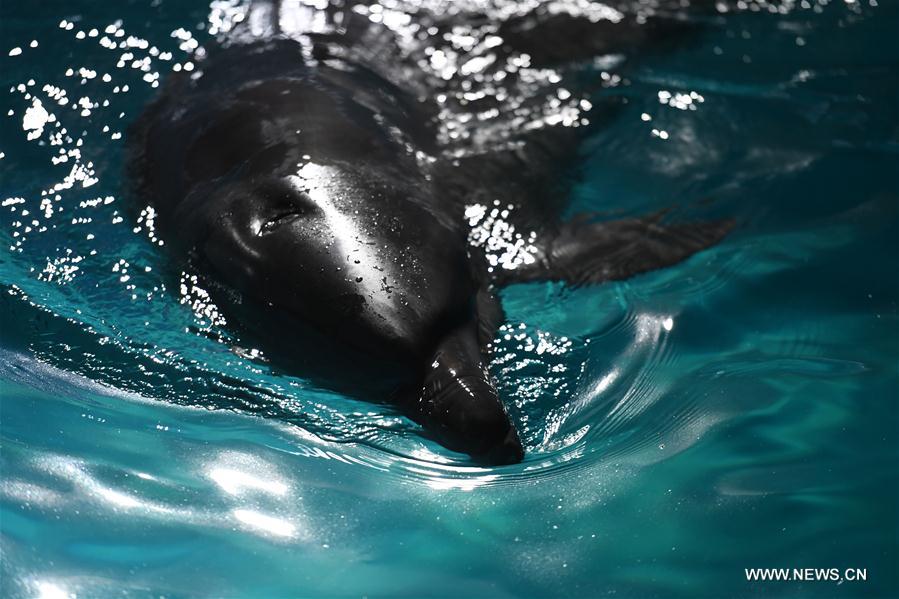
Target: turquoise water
736 411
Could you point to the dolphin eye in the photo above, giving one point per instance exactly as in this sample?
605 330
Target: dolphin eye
279 204
278 221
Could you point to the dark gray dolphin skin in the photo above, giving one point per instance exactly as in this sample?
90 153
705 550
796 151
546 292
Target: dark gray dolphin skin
301 183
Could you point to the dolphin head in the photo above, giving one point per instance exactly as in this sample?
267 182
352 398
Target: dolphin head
373 267
303 194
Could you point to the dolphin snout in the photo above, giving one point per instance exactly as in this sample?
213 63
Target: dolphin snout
508 451
467 416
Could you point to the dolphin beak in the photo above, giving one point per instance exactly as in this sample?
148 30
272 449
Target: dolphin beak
465 415
458 403
508 451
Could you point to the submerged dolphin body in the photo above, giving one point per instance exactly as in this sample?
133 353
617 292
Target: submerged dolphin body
303 180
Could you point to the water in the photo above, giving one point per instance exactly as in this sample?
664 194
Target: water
738 410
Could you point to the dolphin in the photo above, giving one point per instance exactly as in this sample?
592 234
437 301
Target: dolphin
298 175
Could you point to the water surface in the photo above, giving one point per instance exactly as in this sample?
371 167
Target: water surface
738 410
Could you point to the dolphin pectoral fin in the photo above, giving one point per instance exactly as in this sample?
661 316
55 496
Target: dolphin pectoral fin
583 251
458 405
552 38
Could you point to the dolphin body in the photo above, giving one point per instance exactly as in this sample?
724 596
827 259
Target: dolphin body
301 179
